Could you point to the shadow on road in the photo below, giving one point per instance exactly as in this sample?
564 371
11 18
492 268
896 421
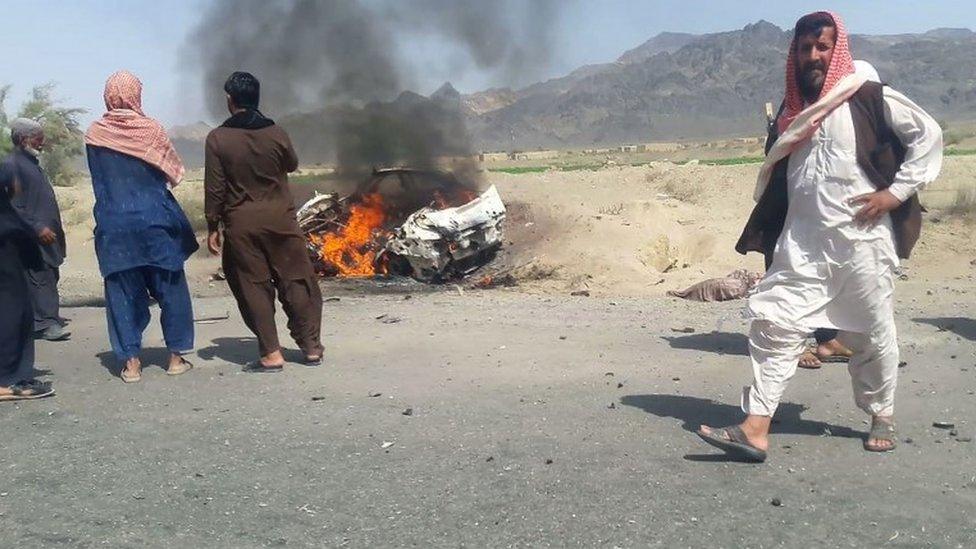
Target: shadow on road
963 327
723 343
694 412
235 350
242 350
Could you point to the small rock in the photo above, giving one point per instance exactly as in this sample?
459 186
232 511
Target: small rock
909 440
609 374
776 502
612 406
408 412
620 385
675 379
902 364
685 330
953 433
549 461
580 293
317 398
562 337
386 445
374 395
943 425
489 459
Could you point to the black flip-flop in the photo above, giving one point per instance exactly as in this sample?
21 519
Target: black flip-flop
28 390
831 359
258 368
735 444
312 363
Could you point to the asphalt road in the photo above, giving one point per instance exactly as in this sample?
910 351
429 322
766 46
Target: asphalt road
535 421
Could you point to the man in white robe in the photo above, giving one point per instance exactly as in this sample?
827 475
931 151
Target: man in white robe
834 262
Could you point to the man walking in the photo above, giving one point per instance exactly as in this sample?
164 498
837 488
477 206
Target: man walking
837 195
38 206
248 160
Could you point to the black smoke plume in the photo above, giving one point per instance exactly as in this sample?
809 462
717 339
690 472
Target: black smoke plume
342 64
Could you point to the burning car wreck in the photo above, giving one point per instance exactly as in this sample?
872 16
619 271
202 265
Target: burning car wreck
423 224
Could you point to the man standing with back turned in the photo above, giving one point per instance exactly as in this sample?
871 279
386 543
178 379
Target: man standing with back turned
248 159
839 188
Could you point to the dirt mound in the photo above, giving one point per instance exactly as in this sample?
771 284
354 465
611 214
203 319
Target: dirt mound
645 230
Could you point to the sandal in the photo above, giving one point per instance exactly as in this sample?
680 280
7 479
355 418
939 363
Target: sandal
258 368
130 378
313 361
821 360
733 442
28 390
183 367
881 430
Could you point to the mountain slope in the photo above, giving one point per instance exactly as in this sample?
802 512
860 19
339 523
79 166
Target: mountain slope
715 85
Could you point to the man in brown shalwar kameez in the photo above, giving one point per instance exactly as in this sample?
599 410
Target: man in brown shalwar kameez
248 159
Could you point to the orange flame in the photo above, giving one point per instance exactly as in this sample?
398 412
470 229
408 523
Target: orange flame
351 248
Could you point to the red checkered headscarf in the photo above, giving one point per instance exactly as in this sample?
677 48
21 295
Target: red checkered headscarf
126 129
841 65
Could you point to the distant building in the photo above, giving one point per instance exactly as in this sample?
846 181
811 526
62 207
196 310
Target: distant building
493 156
533 155
632 148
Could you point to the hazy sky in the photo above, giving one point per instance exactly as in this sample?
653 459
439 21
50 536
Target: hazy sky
78 43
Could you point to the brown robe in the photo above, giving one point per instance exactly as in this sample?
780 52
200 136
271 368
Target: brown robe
246 177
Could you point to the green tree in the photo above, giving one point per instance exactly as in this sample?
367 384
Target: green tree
5 144
62 131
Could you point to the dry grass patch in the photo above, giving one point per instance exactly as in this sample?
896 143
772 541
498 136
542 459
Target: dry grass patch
963 204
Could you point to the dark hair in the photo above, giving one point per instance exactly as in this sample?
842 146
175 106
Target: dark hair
813 24
244 90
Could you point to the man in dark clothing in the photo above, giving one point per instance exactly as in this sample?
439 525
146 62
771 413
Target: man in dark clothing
19 250
38 206
248 159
